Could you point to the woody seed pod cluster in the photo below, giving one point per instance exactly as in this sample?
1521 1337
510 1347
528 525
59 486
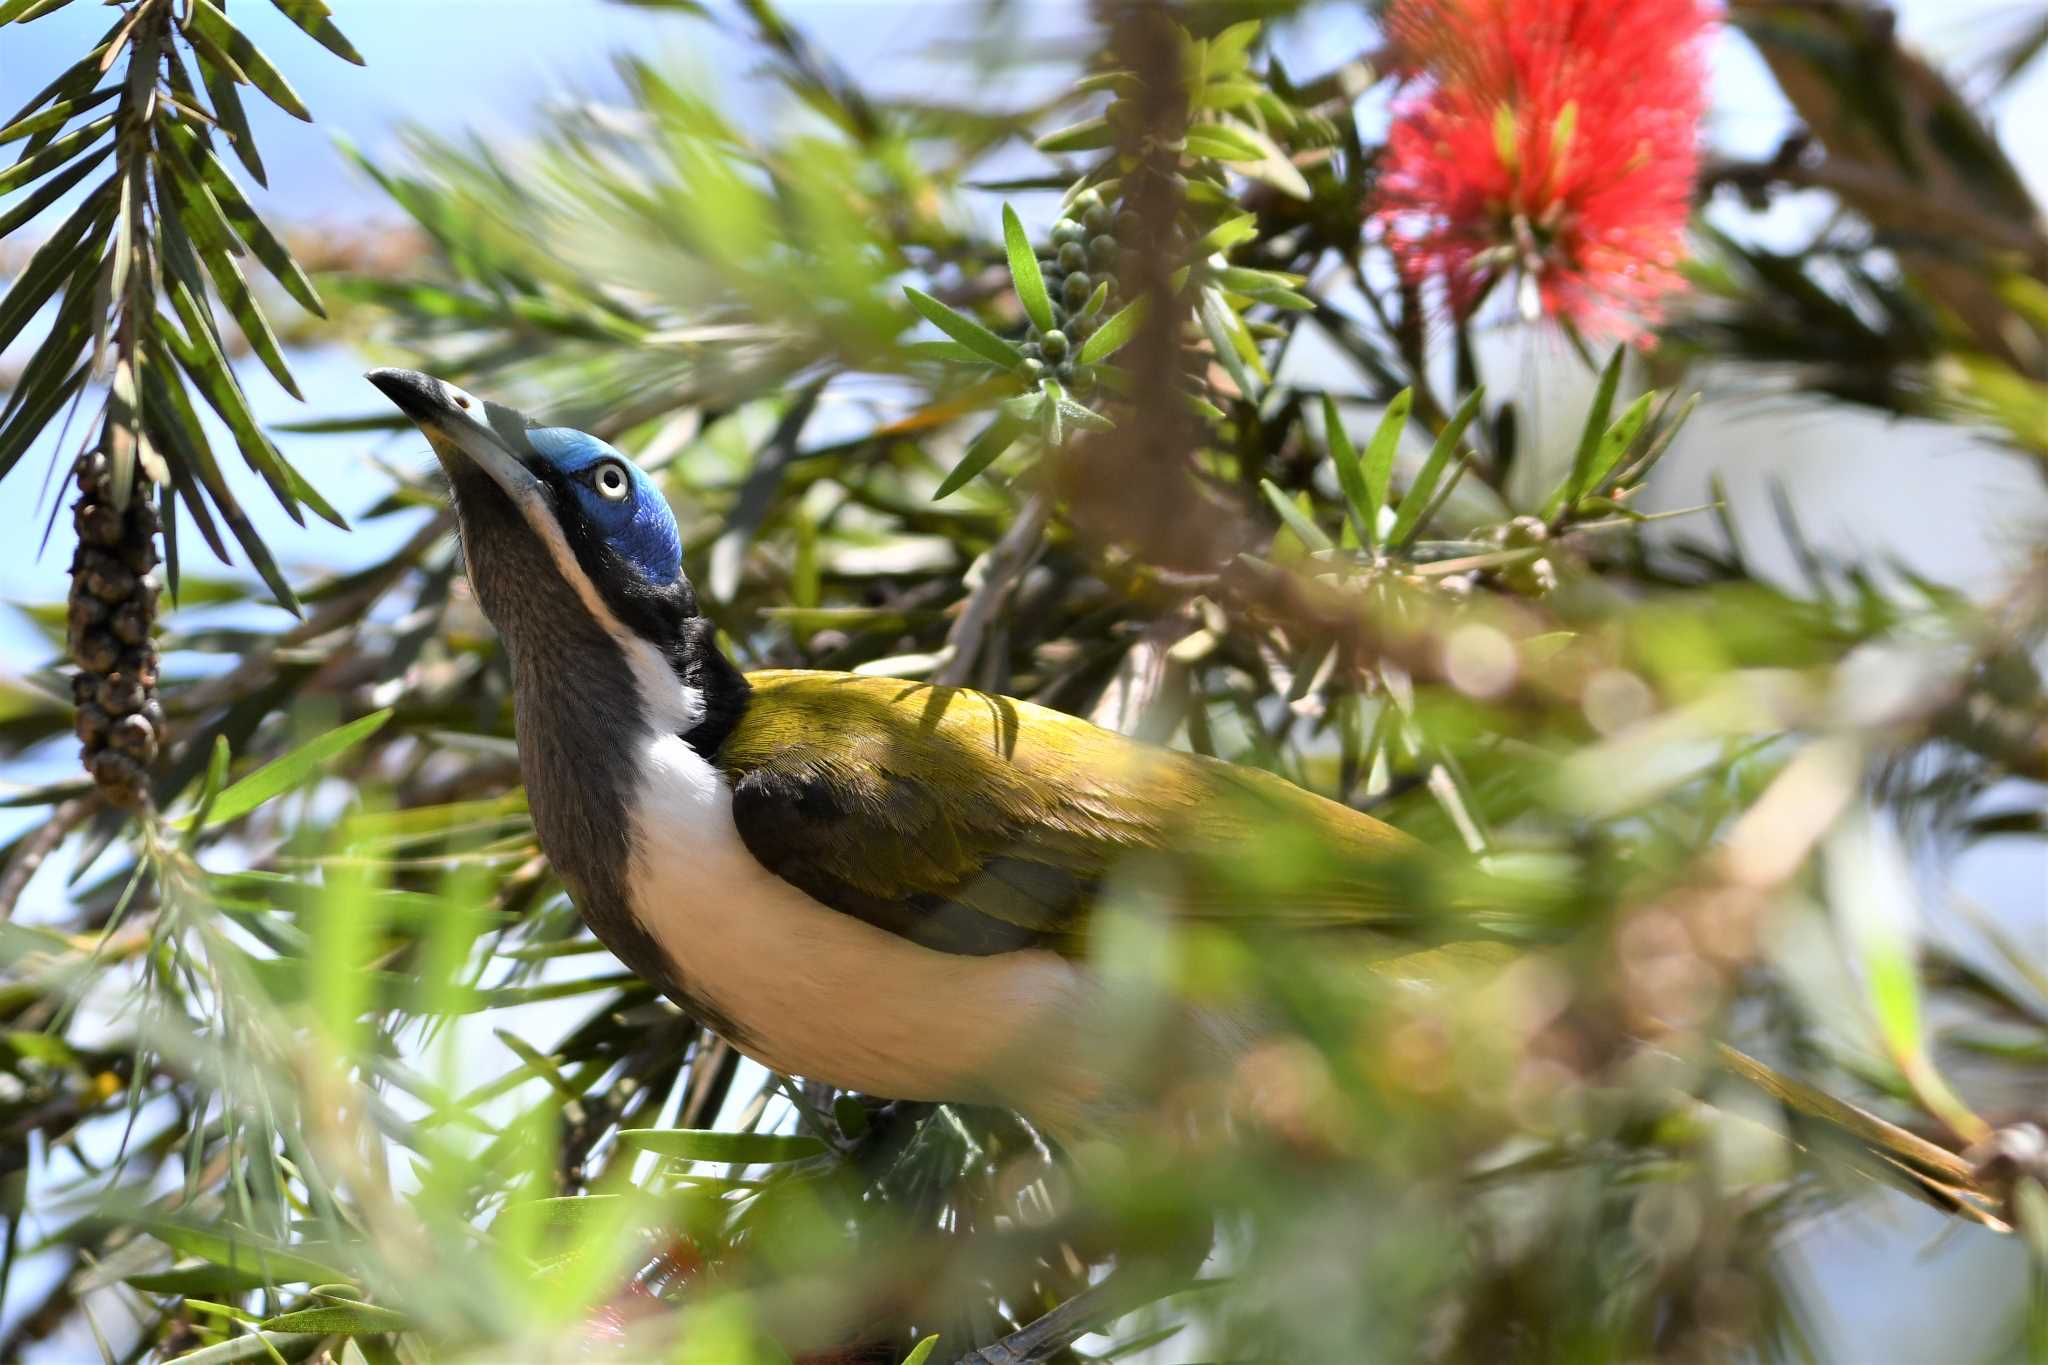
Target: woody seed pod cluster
120 722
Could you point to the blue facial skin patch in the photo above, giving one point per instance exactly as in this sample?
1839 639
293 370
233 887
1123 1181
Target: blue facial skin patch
639 526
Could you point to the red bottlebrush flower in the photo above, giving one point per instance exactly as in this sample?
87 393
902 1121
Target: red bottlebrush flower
1555 140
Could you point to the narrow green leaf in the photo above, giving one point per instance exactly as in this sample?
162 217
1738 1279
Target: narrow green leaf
227 107
233 288
1870 889
1223 143
1081 415
1225 235
951 352
1378 464
1615 444
1086 136
312 16
1096 299
51 190
197 1279
69 332
965 330
209 788
201 356
1024 272
1408 513
36 412
738 1149
1219 321
1597 418
54 155
995 438
56 115
243 1252
1115 333
26 11
1357 501
62 258
210 22
281 775
276 258
347 1320
922 1352
1306 531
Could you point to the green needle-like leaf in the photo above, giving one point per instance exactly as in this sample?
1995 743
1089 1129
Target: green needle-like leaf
55 154
1378 465
1111 337
1306 531
1597 418
1087 136
55 115
283 774
1358 504
997 437
227 107
280 1265
965 330
213 25
1615 444
312 16
1408 513
1024 272
345 1320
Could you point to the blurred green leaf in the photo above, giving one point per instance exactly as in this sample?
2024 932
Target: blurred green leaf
1024 274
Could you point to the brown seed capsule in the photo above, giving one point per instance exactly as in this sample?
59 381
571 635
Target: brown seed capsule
110 583
139 556
119 777
95 650
131 624
133 736
120 694
91 724
98 523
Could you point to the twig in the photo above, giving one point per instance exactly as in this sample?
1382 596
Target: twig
1005 563
39 846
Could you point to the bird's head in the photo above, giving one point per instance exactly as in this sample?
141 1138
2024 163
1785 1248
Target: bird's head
559 530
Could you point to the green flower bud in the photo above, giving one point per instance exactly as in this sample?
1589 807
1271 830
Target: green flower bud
1102 250
1088 200
1097 218
1067 230
1054 345
1076 288
1073 256
1034 370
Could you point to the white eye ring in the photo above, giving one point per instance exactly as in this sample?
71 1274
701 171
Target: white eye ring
611 482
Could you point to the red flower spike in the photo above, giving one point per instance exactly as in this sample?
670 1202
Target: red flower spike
1555 141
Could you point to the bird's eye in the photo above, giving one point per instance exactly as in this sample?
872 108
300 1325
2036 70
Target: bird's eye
610 481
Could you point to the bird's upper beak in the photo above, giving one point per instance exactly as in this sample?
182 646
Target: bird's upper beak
465 429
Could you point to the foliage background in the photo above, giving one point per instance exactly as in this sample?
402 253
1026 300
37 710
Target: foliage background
1955 503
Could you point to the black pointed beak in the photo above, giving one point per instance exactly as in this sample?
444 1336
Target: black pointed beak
419 396
464 429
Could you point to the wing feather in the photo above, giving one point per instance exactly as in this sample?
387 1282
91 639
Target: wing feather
977 824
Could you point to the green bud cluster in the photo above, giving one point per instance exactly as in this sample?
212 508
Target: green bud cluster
1087 250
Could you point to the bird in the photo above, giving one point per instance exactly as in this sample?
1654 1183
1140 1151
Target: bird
882 884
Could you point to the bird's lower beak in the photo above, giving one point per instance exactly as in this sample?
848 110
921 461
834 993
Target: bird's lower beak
464 428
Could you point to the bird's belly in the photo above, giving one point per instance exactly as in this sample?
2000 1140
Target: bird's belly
821 994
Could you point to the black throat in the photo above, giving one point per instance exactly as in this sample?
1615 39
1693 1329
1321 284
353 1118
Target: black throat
582 727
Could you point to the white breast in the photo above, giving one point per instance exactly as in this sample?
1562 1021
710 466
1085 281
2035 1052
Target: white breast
824 995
